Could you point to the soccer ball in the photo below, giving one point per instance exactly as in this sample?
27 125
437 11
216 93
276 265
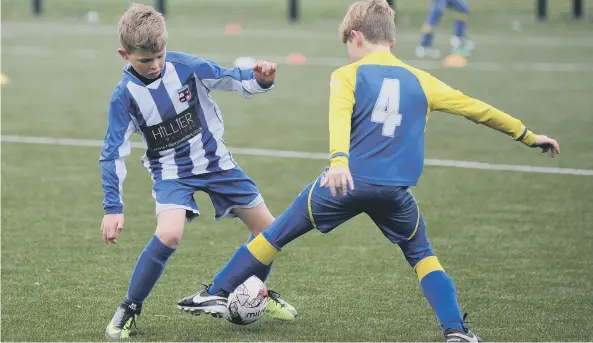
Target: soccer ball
248 302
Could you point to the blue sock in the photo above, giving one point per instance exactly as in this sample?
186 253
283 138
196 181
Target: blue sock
439 289
262 273
148 270
460 26
241 266
426 40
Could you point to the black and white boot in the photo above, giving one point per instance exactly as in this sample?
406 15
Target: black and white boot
456 335
204 303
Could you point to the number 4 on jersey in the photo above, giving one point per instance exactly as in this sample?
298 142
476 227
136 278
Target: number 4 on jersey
386 109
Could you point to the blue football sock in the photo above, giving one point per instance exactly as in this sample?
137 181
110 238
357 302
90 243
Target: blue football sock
439 289
426 40
240 268
148 270
432 21
460 27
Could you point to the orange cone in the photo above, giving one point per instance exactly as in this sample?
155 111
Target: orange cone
296 58
233 29
455 61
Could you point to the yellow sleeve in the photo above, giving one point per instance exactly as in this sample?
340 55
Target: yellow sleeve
443 98
341 104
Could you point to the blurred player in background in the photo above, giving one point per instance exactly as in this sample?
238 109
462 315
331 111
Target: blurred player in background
164 97
459 42
378 112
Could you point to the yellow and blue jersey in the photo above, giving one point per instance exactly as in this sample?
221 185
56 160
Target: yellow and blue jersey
378 112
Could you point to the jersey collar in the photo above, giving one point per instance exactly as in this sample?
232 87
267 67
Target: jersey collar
134 79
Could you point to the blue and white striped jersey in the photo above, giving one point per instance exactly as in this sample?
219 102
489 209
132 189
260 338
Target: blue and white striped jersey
177 119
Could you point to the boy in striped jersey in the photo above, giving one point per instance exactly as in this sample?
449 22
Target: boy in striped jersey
164 97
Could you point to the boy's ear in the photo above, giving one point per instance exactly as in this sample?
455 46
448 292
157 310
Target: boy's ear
357 37
123 53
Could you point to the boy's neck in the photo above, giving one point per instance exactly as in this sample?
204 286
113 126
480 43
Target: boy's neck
146 81
372 48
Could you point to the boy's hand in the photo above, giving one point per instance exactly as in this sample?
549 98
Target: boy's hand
111 227
339 180
265 72
547 144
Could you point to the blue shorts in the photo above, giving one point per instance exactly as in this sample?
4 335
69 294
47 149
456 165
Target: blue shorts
228 189
393 209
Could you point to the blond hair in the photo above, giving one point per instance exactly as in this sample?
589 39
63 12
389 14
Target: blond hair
374 18
142 28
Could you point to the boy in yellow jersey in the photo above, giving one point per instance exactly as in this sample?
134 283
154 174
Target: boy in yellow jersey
378 112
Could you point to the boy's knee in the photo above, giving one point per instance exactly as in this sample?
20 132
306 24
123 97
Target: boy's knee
418 247
257 218
414 257
170 227
169 238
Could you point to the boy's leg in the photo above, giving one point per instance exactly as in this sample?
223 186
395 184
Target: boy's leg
309 210
175 205
462 9
401 222
432 21
437 286
459 39
314 207
234 194
152 260
257 219
253 258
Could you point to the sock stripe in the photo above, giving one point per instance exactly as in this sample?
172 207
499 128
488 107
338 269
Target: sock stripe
428 29
262 250
426 266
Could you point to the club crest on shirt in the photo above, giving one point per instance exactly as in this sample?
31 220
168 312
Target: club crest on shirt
184 93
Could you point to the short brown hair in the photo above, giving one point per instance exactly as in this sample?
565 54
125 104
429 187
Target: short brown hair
142 28
374 18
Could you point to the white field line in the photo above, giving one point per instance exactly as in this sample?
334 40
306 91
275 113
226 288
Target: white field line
308 155
546 67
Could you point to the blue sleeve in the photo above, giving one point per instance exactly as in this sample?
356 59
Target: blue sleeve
215 77
116 146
